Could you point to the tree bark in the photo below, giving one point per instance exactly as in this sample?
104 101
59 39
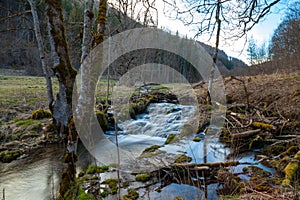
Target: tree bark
39 40
66 74
87 29
101 21
62 106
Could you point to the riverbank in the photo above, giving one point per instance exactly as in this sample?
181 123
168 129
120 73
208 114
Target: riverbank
262 117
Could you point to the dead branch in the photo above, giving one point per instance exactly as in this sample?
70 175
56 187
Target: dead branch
245 134
15 15
245 88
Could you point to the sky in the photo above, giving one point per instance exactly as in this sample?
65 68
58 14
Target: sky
261 32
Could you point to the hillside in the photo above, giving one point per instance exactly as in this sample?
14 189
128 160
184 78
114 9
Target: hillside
18 47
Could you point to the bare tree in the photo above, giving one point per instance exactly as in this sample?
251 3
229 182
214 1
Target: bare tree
87 29
39 40
62 105
231 18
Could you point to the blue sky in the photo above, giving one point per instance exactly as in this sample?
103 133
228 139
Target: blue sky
261 32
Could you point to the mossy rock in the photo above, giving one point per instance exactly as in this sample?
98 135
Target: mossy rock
112 184
93 169
179 198
83 196
132 195
170 138
41 114
128 111
196 139
151 149
187 130
142 177
9 155
101 117
182 158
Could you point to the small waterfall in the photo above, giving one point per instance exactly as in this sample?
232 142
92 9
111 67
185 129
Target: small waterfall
159 120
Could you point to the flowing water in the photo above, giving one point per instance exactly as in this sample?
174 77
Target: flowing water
37 176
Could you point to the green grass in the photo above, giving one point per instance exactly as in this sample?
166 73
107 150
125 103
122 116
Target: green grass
20 90
16 91
25 122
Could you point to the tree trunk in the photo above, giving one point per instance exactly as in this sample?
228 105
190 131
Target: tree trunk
101 20
39 40
62 106
215 56
87 29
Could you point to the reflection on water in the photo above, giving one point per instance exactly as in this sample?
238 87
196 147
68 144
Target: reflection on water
35 177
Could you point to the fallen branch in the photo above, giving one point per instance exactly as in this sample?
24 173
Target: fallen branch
245 134
206 166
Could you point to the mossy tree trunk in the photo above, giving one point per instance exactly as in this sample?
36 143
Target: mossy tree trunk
62 105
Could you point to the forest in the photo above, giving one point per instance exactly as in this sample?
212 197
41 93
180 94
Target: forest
99 101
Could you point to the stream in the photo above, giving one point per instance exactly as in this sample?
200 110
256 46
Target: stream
33 177
37 175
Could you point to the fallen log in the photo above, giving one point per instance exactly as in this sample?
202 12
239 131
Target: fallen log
245 134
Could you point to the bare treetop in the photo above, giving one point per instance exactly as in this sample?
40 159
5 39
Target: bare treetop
237 16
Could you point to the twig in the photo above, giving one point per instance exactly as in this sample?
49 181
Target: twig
245 88
260 193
